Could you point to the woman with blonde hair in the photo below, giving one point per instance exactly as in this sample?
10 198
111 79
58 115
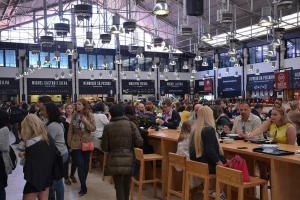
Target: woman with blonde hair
294 116
80 131
204 146
39 155
279 127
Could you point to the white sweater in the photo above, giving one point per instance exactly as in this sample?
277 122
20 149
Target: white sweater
100 120
4 148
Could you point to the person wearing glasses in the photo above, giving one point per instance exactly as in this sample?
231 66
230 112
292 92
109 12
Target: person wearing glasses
246 122
170 117
280 128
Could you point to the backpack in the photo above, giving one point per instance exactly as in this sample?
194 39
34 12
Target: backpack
13 157
238 163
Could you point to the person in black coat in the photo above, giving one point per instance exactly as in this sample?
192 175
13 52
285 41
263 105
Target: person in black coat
204 146
171 117
3 178
40 154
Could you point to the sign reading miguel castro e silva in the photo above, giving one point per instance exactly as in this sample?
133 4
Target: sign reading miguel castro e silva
177 87
103 86
138 87
49 86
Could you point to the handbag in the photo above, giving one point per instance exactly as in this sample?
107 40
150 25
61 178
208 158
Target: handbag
238 163
87 146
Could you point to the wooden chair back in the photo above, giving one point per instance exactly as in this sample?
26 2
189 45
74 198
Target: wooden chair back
229 176
175 159
139 155
195 168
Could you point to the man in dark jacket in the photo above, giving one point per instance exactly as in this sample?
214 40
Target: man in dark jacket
119 138
171 117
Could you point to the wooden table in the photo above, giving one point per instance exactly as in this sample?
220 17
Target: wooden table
285 170
163 142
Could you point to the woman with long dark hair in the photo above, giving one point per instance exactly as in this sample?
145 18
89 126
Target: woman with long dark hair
81 127
55 130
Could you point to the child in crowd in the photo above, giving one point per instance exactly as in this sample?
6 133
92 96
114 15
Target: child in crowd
184 139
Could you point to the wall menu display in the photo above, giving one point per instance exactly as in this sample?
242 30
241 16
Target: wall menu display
176 87
135 87
9 86
204 88
229 86
296 79
103 86
282 80
264 81
37 86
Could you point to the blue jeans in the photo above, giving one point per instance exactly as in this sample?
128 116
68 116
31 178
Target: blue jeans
56 191
2 193
81 160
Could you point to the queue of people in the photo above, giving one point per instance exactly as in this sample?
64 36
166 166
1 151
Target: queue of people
70 133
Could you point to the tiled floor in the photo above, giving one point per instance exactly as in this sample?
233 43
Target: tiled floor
97 189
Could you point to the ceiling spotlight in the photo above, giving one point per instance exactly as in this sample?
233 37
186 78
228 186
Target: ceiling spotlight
236 74
277 42
56 77
166 69
161 8
232 51
100 75
194 71
267 59
232 59
273 65
91 67
236 65
192 76
204 62
219 76
56 56
129 26
83 11
154 66
172 63
250 68
266 19
118 60
71 73
157 42
166 78
257 73
198 58
116 29
185 65
92 77
62 75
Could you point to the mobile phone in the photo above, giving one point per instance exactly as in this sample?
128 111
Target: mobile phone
242 147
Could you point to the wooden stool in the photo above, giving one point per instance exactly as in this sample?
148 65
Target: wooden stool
139 155
197 169
174 162
234 178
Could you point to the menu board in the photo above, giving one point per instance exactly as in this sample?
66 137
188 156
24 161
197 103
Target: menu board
264 81
204 86
9 86
103 86
229 86
40 86
135 87
176 87
296 79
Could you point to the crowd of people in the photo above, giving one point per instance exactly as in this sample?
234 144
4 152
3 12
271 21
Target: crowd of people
69 133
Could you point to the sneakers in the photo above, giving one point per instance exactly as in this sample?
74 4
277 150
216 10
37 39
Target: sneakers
212 194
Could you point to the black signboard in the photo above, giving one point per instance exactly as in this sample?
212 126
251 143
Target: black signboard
138 87
176 87
229 86
101 86
9 86
263 81
296 79
40 86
